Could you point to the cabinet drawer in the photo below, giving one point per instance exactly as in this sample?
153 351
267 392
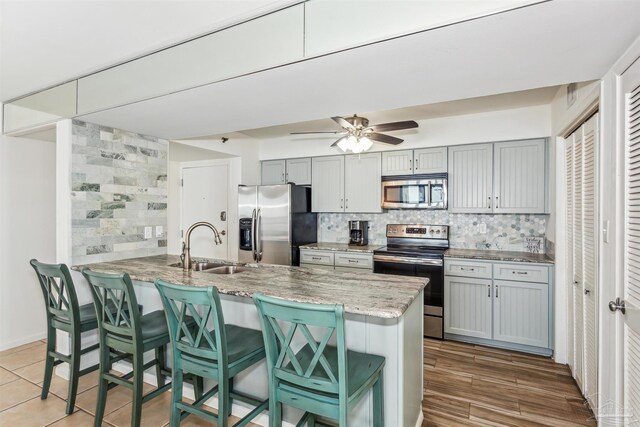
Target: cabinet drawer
465 268
521 272
316 257
354 260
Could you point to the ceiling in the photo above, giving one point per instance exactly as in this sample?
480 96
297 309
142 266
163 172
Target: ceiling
521 99
412 77
70 38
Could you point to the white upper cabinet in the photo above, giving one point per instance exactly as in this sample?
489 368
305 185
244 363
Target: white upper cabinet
502 177
397 162
362 183
471 178
519 176
298 171
273 172
430 160
327 182
408 162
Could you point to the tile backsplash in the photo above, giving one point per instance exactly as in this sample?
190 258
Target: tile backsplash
119 186
503 232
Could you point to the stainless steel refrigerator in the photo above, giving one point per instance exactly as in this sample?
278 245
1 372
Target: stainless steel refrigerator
274 221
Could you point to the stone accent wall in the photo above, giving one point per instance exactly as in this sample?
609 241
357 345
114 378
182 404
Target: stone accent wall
504 232
119 186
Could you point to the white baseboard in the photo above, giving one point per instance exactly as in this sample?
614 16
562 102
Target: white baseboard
420 419
23 340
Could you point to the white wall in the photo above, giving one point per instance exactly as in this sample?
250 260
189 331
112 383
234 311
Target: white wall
517 123
27 230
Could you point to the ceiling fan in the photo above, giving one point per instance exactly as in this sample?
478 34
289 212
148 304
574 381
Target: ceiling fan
358 135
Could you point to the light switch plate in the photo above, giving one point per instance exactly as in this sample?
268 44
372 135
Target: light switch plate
159 231
482 228
148 232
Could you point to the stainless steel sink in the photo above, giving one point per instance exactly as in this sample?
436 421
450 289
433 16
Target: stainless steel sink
227 269
198 266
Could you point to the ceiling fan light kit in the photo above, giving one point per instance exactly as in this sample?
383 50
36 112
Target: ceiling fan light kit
359 136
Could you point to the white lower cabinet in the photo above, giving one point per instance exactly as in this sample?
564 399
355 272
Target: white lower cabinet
514 313
521 312
351 262
467 303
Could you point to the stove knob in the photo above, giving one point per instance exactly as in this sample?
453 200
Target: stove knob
431 231
438 231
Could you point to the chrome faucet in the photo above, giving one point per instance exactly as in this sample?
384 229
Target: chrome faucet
185 257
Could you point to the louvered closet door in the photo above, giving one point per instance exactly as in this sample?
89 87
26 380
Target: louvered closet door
569 145
578 289
631 89
589 259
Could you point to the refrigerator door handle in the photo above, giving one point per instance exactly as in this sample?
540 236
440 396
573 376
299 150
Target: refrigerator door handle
258 237
253 235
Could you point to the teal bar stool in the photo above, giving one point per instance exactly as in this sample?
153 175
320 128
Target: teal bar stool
66 314
127 333
319 379
219 353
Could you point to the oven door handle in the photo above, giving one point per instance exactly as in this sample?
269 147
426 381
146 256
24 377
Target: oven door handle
407 260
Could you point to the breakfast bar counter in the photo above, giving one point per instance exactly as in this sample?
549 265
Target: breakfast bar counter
383 315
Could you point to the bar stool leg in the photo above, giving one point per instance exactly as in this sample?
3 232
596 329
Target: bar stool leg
160 366
176 394
378 402
136 413
48 366
223 403
103 384
74 372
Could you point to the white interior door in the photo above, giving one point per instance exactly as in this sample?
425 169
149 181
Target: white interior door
205 198
578 261
630 354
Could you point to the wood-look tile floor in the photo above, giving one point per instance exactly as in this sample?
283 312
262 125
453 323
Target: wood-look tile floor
469 385
465 385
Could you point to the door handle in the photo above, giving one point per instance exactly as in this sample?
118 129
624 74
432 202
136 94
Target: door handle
223 232
489 291
258 238
618 304
253 235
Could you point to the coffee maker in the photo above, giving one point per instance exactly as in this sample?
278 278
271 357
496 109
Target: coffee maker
358 233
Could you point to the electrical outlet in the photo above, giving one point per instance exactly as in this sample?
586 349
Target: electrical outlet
148 232
482 228
159 231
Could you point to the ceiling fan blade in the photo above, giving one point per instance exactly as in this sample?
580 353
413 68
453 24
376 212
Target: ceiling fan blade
387 139
307 133
338 141
386 127
342 122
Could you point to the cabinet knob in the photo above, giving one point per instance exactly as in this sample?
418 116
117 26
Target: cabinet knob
488 291
496 202
489 202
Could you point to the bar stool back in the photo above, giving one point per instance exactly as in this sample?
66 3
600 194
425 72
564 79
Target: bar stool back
217 353
319 378
66 314
130 335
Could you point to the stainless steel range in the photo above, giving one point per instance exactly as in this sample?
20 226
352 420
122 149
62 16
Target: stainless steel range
418 250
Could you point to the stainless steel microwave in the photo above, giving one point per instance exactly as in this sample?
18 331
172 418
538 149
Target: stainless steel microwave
414 191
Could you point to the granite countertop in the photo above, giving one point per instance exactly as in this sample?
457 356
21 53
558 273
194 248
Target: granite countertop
498 256
365 293
325 246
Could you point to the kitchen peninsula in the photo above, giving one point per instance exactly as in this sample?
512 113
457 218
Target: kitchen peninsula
383 315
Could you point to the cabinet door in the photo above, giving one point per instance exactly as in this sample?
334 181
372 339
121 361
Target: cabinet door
273 172
397 163
299 171
430 160
362 174
471 178
467 306
328 184
519 176
521 313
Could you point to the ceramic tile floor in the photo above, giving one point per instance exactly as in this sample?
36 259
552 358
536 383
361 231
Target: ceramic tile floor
21 376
